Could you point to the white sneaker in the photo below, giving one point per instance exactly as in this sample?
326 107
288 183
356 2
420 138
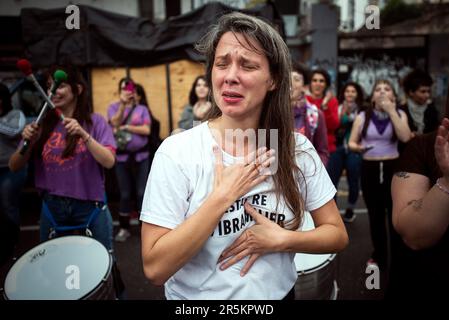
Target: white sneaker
122 235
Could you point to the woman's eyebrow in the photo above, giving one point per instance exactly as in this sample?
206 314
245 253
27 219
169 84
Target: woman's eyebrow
248 60
241 58
222 57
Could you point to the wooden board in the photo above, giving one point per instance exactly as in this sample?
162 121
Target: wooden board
153 79
105 87
182 75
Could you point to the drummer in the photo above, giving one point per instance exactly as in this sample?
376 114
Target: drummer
69 159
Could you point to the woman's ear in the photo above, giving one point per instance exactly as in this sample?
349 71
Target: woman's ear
272 85
80 89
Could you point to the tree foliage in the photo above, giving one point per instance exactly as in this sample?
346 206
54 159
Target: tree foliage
397 11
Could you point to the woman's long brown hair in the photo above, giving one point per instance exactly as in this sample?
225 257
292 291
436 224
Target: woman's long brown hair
82 112
276 112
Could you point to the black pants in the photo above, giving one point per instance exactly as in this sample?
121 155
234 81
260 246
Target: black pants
376 187
131 174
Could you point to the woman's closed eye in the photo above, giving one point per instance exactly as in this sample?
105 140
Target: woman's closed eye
249 66
221 63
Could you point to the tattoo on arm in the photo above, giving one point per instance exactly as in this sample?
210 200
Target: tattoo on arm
416 204
402 174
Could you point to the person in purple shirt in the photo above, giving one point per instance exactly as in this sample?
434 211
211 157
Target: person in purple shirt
69 157
309 120
133 161
375 134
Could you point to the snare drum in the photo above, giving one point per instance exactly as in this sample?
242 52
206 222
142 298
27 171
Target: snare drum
316 272
65 268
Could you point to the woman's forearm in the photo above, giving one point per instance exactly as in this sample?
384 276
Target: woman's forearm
117 118
400 127
355 147
143 130
101 154
326 238
423 221
18 161
167 255
355 135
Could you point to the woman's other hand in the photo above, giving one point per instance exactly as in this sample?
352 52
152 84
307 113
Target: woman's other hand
263 237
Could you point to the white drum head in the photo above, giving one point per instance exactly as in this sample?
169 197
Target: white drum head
304 261
311 262
65 268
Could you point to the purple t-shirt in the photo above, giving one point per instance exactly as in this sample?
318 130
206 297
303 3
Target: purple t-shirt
139 117
384 147
79 176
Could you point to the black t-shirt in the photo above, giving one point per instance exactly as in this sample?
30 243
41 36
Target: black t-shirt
422 274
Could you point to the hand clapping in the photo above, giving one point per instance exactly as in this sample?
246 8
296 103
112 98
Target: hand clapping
442 148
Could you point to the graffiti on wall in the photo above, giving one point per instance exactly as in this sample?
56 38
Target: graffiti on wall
365 71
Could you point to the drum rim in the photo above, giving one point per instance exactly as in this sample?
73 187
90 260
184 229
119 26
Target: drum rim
103 280
109 269
326 262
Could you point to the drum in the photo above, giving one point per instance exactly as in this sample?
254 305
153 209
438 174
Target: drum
65 268
316 272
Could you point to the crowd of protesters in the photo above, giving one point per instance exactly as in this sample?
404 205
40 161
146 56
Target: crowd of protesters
367 137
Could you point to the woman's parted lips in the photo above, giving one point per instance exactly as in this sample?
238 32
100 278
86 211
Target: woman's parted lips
231 94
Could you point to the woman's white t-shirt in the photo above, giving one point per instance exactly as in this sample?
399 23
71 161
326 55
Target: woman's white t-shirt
180 180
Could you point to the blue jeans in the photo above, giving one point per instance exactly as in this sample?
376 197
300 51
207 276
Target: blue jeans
352 162
11 184
69 212
131 175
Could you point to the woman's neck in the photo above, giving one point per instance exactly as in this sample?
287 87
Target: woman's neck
377 108
69 110
317 96
227 132
201 101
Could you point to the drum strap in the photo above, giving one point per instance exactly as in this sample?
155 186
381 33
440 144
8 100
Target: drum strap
55 226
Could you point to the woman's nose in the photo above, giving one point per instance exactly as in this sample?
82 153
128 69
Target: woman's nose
232 74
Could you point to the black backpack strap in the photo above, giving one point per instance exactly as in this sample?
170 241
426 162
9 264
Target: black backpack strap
128 116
